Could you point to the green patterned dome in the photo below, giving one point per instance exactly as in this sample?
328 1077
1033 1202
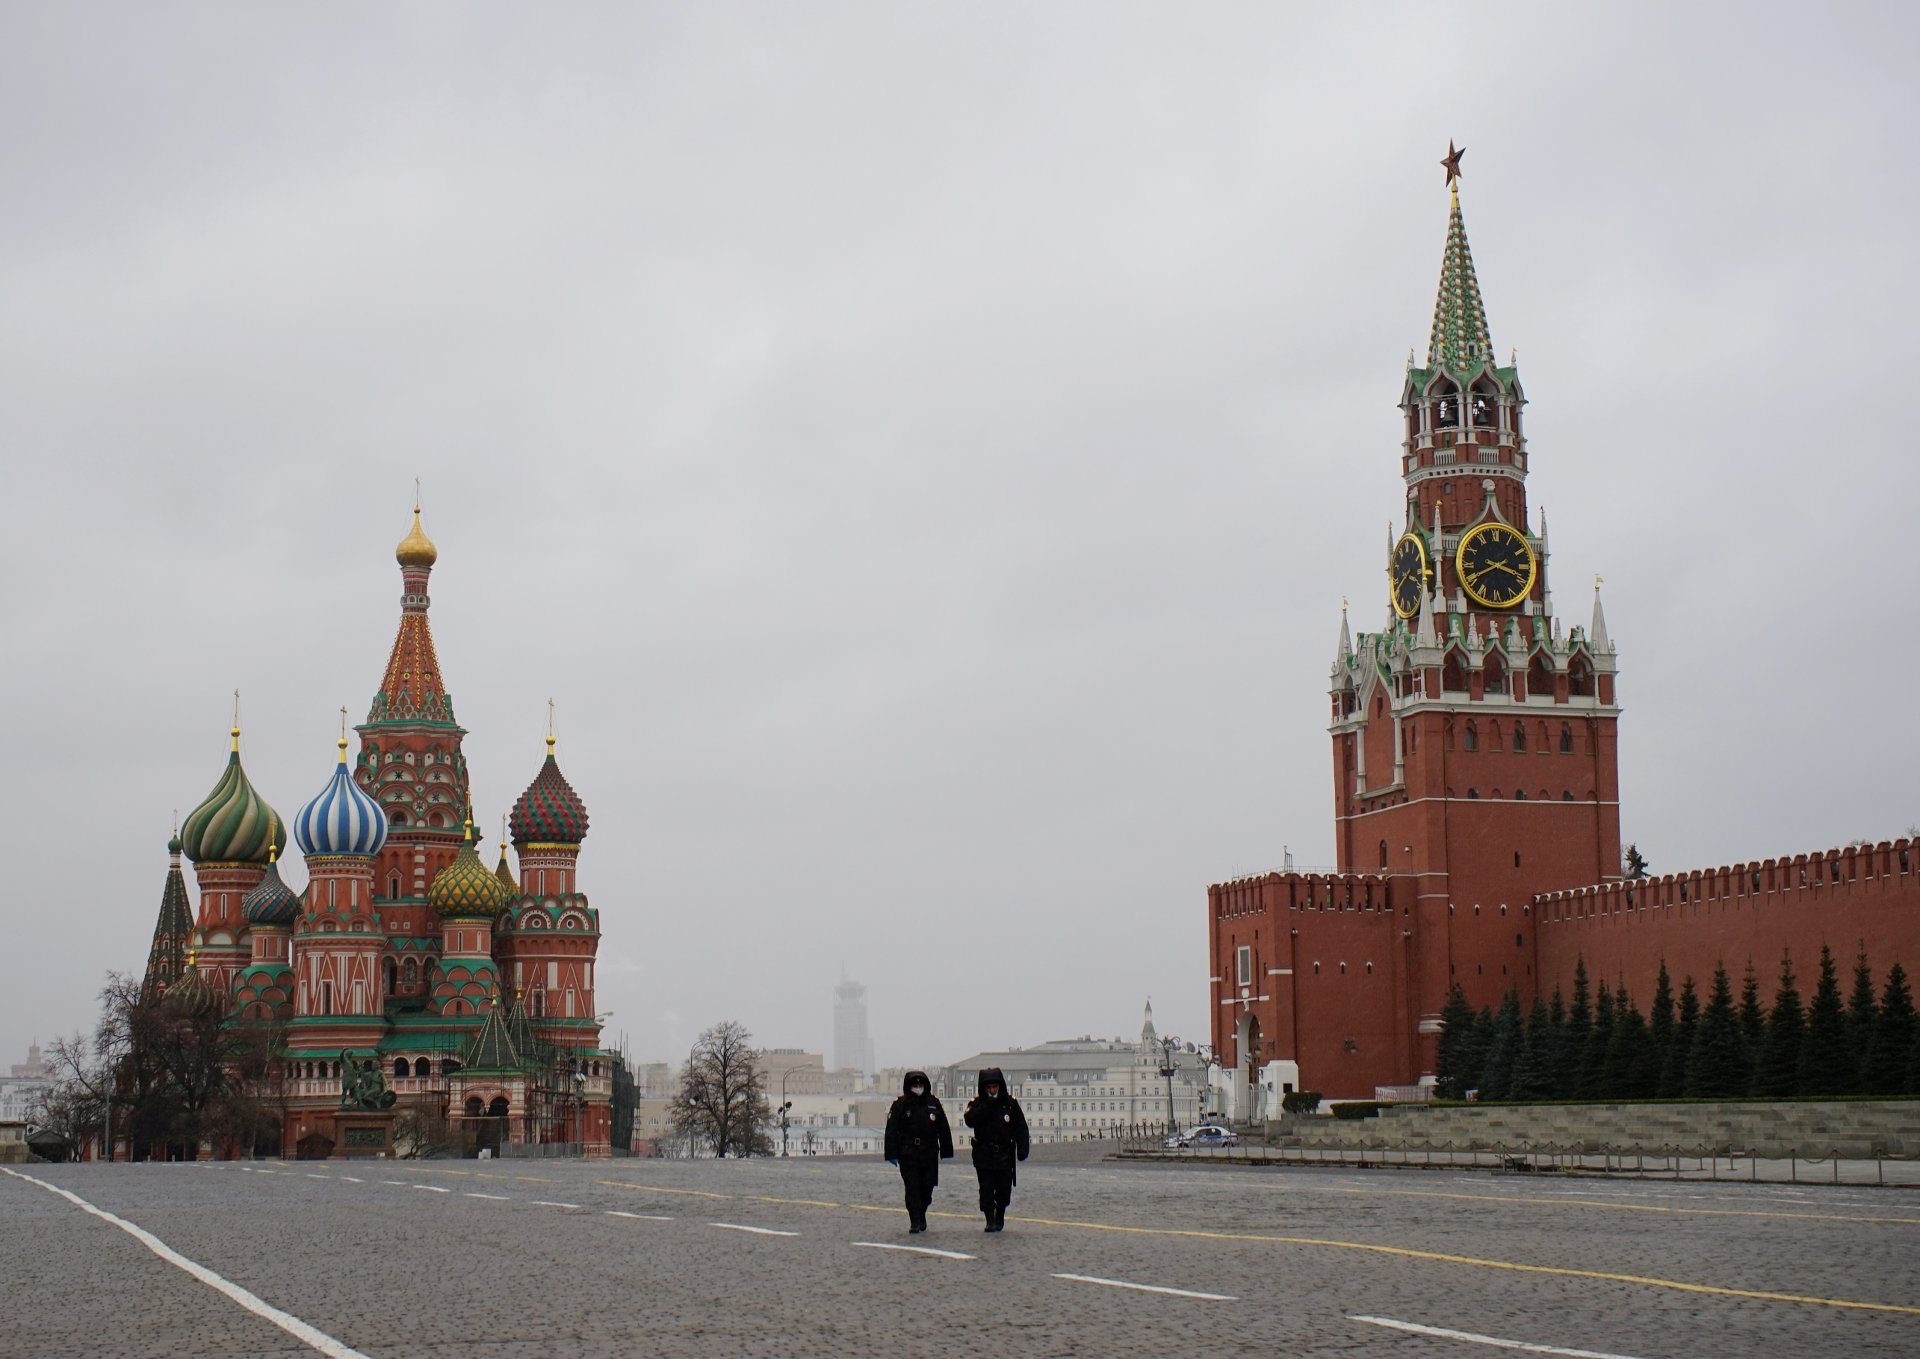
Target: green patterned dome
234 824
192 996
466 889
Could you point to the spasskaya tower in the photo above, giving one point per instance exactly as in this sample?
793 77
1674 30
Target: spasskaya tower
1473 734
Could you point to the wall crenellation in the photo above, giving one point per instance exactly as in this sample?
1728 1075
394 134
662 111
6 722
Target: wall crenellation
1826 873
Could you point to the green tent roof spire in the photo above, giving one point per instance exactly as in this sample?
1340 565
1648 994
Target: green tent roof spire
1460 342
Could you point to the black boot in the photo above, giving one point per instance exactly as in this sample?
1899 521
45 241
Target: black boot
916 1222
1000 1218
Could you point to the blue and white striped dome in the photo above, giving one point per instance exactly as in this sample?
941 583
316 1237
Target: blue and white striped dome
342 819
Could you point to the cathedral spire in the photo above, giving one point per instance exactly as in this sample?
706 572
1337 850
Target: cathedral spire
173 932
412 690
1460 342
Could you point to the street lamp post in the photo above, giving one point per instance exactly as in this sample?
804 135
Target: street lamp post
785 1106
1167 1048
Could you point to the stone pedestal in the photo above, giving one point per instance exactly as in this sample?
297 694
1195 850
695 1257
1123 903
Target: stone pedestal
364 1134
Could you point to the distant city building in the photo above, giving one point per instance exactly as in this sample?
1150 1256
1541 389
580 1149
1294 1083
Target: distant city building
851 1050
1077 1088
20 1090
787 1072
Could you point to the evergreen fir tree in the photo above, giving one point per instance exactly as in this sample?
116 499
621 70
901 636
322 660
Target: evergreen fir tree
1715 1066
1556 1045
1474 1061
1660 1032
1777 1073
1826 1065
1503 1050
1629 1052
1593 1053
1456 1037
1533 1073
1573 1038
1862 1010
1894 1035
1753 1027
1673 1072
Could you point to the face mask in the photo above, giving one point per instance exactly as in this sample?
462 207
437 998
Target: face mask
916 1090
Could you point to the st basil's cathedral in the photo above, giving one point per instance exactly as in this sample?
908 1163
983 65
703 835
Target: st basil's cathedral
470 989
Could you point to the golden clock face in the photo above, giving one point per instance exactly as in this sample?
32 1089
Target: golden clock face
1495 564
1408 574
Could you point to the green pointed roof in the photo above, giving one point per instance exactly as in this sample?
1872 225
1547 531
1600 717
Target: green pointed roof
173 932
1460 342
492 1048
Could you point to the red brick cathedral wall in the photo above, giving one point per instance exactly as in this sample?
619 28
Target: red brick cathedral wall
1848 899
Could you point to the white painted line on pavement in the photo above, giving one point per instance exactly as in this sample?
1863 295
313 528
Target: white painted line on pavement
917 1250
757 1231
401 1183
502 1198
312 1176
353 1179
1416 1328
432 1188
286 1321
1146 1288
549 1203
266 1172
644 1217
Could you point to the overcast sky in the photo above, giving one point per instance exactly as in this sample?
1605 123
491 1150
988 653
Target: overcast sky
921 448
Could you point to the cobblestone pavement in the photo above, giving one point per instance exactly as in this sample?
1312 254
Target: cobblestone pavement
616 1258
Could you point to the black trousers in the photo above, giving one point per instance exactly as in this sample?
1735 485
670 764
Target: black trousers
996 1185
919 1177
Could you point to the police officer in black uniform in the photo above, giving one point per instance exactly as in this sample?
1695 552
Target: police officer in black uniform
918 1139
999 1140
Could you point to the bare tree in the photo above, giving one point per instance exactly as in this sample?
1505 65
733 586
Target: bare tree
723 1101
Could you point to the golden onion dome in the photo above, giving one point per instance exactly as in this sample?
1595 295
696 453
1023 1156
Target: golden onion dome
416 549
466 889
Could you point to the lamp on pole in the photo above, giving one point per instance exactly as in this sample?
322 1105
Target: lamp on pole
785 1105
1168 1045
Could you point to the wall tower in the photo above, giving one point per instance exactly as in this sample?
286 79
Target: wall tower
1474 734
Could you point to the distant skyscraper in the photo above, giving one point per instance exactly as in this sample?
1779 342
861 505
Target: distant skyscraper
850 1047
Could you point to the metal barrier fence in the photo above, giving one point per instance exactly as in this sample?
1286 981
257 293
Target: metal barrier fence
1661 1161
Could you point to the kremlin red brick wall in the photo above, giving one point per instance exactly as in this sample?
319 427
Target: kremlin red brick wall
1848 899
1330 981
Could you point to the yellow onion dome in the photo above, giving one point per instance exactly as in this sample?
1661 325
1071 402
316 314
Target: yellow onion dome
416 549
466 889
233 824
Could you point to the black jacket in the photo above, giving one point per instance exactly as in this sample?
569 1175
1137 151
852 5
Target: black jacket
917 1127
999 1128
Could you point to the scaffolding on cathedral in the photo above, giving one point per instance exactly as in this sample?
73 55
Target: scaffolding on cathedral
544 1080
